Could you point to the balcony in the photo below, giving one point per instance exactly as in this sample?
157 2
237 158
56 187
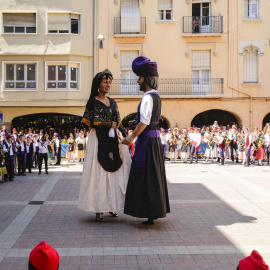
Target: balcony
204 26
172 87
129 27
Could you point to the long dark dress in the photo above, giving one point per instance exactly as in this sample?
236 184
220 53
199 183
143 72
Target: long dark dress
147 193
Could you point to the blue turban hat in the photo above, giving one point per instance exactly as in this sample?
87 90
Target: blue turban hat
143 66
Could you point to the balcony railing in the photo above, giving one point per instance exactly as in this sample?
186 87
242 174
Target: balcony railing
129 25
179 86
203 24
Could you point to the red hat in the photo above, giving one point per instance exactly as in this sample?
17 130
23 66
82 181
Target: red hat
14 129
219 128
44 257
253 262
191 128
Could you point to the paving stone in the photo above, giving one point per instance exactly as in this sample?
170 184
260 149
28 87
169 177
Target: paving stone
211 216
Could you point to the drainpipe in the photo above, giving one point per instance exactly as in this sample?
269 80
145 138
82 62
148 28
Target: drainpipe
95 34
250 104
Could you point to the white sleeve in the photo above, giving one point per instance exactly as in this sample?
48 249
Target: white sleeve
4 148
57 143
146 109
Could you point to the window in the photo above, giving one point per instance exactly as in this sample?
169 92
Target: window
165 10
64 23
251 65
251 9
130 16
19 23
20 76
62 76
201 72
201 20
129 85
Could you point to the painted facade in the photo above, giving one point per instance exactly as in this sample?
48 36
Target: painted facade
210 54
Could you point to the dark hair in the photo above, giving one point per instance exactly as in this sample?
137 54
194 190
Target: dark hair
32 267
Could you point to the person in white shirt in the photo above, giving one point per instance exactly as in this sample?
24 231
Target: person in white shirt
43 148
80 147
21 155
195 144
9 150
233 143
163 139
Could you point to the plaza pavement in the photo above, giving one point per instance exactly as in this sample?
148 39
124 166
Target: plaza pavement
219 214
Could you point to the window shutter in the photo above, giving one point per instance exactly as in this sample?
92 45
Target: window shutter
251 67
127 58
128 77
59 21
130 16
165 4
19 19
201 60
246 8
253 9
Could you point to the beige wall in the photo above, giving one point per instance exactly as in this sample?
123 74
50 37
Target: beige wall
42 47
86 69
165 44
49 44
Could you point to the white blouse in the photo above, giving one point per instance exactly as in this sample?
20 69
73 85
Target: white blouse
146 107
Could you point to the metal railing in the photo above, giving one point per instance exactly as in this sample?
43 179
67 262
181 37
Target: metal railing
202 24
179 86
129 25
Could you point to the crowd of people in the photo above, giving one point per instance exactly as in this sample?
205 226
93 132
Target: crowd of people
24 149
220 143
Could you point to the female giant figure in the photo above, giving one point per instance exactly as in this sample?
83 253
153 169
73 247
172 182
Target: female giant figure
106 168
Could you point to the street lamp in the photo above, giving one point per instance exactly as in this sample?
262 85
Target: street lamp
100 39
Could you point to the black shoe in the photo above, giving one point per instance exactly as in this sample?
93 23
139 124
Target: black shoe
148 222
113 214
10 179
23 174
99 218
39 173
47 173
2 182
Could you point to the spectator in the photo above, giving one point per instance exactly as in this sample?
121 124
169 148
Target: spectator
43 257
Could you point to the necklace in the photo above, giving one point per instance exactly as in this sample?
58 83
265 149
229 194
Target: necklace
104 99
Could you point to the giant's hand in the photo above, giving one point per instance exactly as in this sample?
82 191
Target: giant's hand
128 140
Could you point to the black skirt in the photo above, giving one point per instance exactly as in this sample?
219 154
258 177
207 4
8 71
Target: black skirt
147 192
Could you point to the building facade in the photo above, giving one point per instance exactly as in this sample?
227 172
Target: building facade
212 57
46 57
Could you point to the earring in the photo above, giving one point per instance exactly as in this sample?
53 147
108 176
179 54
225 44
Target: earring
98 91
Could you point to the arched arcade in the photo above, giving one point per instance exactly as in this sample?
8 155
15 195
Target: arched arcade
208 117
